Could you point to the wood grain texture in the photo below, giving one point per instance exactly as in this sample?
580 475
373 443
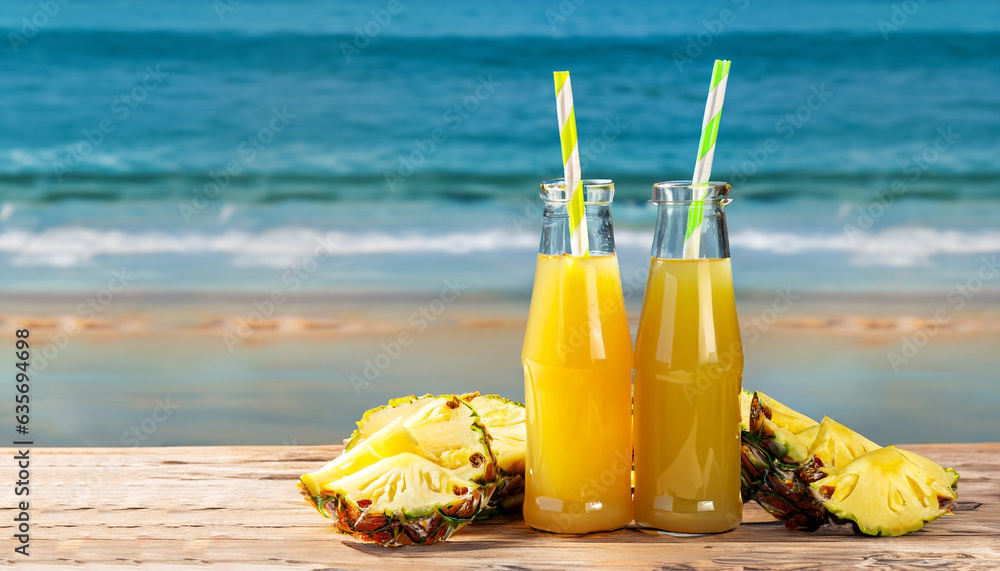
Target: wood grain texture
208 505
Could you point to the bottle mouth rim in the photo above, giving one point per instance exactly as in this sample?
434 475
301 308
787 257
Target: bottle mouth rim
595 190
683 192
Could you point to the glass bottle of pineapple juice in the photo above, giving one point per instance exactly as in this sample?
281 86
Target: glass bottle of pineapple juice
688 371
577 360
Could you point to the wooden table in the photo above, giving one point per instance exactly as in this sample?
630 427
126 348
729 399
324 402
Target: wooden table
209 505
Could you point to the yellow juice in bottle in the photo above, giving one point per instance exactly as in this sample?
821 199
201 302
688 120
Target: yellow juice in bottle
577 361
688 369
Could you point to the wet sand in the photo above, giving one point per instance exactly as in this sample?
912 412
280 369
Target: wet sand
232 369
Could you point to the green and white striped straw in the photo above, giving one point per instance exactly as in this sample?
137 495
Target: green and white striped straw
571 163
706 151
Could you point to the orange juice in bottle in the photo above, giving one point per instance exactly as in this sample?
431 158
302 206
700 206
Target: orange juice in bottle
577 360
688 370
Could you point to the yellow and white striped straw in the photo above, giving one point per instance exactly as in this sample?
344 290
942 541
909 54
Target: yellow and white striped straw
706 152
571 163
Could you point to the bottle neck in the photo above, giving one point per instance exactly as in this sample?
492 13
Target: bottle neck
556 232
672 229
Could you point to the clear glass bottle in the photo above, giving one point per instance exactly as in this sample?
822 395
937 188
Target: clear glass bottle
688 371
577 361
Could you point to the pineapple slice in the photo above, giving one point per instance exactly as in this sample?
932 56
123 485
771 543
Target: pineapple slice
888 491
392 439
441 426
778 429
404 499
504 420
835 446
808 436
779 414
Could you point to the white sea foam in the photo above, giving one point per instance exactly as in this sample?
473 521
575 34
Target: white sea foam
897 247
67 247
283 247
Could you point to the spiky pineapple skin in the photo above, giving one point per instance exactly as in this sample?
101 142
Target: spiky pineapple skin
396 528
782 489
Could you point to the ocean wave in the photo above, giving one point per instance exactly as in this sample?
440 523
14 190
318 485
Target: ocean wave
965 182
286 247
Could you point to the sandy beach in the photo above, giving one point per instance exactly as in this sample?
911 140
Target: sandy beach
226 373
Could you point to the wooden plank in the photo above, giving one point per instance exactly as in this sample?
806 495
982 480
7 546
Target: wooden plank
206 505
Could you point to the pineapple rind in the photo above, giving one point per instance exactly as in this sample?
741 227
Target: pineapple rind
509 444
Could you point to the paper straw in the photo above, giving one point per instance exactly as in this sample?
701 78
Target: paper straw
706 151
571 163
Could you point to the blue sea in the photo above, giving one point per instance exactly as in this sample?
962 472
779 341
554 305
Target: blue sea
209 148
120 119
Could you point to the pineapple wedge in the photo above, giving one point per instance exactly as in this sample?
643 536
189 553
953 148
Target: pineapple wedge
418 478
504 422
812 474
888 491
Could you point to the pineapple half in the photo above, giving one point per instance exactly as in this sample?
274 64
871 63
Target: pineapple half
415 480
504 422
803 472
